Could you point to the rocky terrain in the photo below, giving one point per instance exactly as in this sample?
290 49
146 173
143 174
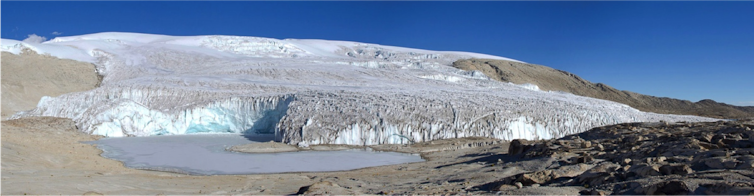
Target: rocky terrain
556 80
715 158
43 155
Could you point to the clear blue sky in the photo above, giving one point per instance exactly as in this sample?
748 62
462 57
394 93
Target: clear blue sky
686 50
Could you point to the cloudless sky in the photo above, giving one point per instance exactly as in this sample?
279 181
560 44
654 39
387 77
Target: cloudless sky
685 50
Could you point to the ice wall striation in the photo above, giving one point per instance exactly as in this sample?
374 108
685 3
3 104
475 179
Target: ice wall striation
138 112
367 118
310 92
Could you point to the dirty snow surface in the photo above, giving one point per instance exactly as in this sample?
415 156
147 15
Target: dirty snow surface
306 92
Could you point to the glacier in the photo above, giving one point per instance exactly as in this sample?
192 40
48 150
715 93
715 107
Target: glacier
307 92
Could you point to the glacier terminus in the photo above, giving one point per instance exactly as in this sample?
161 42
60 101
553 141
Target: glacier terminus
307 92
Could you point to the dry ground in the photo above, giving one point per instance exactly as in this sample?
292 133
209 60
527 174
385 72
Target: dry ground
29 76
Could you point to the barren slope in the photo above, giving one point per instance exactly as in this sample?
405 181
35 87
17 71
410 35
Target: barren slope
27 77
556 80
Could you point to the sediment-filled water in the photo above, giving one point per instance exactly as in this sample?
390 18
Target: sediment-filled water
205 154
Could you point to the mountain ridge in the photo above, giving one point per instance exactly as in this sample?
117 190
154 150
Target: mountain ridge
547 78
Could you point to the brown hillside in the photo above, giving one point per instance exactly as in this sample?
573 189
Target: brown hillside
556 80
27 77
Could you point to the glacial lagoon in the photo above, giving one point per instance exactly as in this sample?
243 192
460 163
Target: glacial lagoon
205 154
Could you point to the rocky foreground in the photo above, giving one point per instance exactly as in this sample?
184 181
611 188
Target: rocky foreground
44 156
641 158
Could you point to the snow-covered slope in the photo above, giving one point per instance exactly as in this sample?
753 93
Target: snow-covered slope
307 92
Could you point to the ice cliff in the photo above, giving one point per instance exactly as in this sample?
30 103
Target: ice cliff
307 92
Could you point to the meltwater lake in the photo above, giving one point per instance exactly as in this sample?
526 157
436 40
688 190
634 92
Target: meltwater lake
205 154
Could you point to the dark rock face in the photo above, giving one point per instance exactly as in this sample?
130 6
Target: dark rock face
517 146
728 188
646 158
675 187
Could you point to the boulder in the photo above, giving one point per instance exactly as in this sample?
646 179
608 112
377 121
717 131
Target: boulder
719 163
592 192
595 178
599 147
729 188
714 163
643 171
676 169
675 187
746 162
517 146
584 159
539 177
586 144
518 185
325 188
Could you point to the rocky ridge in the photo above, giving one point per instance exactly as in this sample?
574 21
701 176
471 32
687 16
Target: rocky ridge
547 78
